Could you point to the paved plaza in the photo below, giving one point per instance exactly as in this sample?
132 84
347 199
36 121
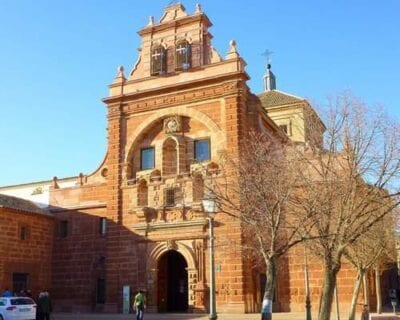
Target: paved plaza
192 316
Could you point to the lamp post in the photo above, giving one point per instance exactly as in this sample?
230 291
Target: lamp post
308 300
209 206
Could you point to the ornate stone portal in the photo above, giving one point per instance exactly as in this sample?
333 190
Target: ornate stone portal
192 252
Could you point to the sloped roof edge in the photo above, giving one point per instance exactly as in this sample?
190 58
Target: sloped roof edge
10 202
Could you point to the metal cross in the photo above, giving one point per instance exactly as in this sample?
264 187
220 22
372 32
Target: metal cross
267 54
157 54
182 49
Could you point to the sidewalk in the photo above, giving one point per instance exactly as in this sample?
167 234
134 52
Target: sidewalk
172 316
194 316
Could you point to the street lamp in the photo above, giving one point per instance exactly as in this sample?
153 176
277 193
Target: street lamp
308 300
209 207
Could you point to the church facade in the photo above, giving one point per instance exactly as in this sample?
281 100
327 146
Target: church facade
137 222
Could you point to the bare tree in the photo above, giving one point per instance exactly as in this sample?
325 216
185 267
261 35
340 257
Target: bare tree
388 257
352 182
257 189
371 249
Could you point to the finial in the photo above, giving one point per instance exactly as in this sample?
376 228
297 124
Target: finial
232 53
120 77
151 21
269 77
55 183
80 181
198 8
120 72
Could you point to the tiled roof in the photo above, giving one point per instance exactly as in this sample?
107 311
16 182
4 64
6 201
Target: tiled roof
15 203
274 98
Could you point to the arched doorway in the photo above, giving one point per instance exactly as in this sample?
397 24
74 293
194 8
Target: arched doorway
172 295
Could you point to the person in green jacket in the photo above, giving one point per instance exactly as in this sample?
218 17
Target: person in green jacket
139 304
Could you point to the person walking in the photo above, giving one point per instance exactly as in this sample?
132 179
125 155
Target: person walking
139 304
39 312
365 312
44 306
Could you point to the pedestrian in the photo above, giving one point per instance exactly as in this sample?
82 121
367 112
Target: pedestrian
39 312
139 304
44 306
7 293
365 312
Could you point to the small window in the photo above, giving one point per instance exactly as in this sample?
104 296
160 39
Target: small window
24 233
284 128
103 226
101 291
202 150
147 158
158 61
183 56
170 197
63 229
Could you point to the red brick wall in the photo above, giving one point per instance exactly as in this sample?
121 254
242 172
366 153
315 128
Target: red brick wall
33 255
77 260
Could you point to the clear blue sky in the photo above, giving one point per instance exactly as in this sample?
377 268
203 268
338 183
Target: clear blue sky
57 58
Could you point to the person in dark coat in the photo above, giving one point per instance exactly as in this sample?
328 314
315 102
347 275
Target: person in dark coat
39 312
44 307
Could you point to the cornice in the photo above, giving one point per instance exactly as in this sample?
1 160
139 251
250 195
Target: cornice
175 23
175 88
146 228
54 209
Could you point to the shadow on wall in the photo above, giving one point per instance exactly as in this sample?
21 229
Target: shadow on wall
93 258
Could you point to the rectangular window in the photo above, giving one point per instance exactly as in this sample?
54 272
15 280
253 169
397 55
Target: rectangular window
147 158
170 197
63 229
24 233
101 291
103 226
202 150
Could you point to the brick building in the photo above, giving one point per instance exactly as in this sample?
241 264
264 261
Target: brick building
26 243
137 221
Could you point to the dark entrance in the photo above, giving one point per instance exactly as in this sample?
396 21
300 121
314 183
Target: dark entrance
20 282
172 283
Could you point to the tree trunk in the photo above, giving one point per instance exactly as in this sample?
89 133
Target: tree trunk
356 292
366 289
328 290
337 303
378 290
266 310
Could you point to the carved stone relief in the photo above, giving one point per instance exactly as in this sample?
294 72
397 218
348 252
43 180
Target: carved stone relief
173 124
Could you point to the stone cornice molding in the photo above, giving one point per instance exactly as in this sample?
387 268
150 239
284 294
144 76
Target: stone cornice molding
174 88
